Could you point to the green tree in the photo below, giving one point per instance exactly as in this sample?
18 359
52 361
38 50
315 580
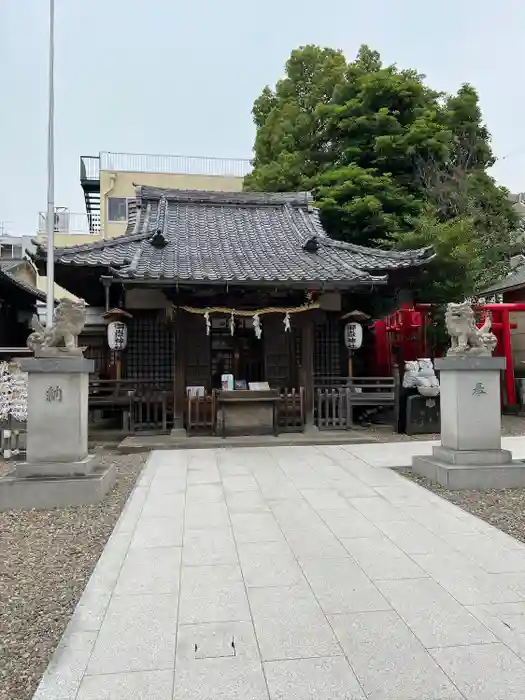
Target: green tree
289 143
390 161
461 193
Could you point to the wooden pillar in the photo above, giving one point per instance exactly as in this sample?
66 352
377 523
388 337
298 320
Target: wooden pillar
307 362
179 375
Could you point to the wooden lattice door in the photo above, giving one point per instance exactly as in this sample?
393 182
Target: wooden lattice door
327 348
197 351
278 352
150 348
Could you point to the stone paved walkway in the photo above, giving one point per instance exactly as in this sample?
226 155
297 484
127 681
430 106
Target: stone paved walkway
296 573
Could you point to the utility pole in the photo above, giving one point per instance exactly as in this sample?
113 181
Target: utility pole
50 217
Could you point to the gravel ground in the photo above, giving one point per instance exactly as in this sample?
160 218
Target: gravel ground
503 509
46 560
510 425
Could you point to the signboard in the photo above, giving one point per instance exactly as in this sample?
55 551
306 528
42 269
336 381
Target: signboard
353 335
227 382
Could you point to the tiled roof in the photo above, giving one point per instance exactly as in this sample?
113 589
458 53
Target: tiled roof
10 281
189 236
515 280
7 264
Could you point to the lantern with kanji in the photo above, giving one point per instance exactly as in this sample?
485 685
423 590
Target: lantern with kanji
117 329
353 335
117 335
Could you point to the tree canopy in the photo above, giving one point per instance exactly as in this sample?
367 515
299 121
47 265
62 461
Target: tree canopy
390 161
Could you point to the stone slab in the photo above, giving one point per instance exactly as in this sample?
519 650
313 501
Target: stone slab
472 457
60 351
72 364
457 477
303 679
179 433
136 616
245 418
483 671
388 659
139 685
138 634
471 363
311 436
57 469
26 493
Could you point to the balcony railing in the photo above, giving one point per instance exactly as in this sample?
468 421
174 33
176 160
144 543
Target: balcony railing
89 168
184 165
69 222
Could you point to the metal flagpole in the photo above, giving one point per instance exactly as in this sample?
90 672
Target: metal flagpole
51 173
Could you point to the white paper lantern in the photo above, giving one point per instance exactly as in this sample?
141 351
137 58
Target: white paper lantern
353 336
117 335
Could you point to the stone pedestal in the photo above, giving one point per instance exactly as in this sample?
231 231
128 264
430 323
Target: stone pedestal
57 409
470 454
58 470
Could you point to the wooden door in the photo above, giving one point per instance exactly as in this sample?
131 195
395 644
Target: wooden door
278 352
197 351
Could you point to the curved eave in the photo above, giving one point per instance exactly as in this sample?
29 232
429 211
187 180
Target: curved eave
356 277
362 281
27 293
393 259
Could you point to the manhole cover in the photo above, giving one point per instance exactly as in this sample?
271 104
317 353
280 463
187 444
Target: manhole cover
215 646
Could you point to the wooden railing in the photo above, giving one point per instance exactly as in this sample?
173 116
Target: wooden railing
291 410
336 397
107 392
201 414
145 405
148 406
148 410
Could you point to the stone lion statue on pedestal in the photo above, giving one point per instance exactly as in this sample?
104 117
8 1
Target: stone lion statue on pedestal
62 337
466 338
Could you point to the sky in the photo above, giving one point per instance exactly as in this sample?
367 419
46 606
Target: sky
173 77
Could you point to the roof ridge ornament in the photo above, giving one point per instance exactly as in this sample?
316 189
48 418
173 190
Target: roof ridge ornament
312 245
158 240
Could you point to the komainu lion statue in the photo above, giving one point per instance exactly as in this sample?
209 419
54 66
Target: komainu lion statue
420 375
68 322
466 338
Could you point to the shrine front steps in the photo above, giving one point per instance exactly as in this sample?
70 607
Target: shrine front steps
146 443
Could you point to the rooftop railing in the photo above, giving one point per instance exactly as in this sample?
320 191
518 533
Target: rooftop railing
69 222
184 165
89 168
